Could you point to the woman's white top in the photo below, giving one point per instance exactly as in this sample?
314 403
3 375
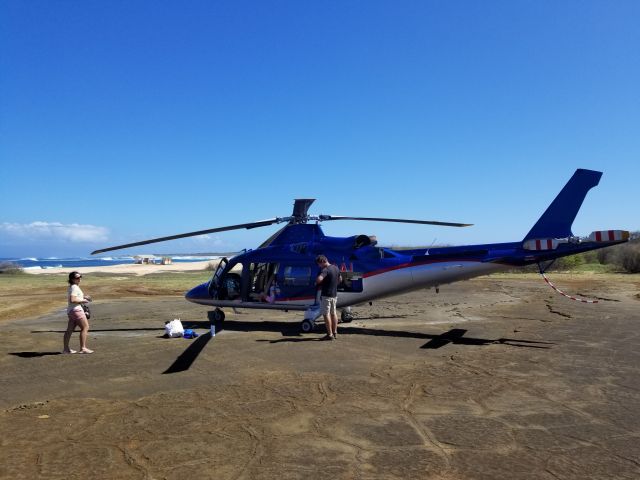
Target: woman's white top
74 290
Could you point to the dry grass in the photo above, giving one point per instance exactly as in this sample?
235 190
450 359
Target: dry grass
25 296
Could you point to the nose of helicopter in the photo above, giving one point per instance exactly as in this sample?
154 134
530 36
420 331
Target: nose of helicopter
196 294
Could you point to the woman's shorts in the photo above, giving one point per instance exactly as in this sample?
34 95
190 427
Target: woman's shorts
77 316
328 305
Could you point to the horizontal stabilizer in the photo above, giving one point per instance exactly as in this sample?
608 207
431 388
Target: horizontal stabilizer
609 236
557 219
541 244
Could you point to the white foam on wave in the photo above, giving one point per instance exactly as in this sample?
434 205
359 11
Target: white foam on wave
31 259
32 268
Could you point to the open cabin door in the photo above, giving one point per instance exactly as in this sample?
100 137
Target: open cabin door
260 282
274 282
214 283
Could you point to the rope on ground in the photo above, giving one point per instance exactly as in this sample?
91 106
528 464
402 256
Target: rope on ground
583 300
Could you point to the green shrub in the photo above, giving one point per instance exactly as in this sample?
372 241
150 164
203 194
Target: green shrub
626 256
629 257
10 267
569 263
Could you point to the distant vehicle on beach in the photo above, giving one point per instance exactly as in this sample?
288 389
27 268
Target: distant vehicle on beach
145 259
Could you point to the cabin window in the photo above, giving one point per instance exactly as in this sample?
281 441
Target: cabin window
297 276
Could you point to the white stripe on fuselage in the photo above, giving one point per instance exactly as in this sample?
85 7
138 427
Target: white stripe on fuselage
409 278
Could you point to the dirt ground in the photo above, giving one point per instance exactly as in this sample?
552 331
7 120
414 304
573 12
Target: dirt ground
494 378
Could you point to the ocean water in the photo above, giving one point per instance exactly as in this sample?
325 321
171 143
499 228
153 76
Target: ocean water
53 262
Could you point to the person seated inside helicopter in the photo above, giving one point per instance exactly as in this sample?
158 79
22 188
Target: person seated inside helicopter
262 285
270 290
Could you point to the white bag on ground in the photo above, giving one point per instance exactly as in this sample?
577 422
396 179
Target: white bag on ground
174 328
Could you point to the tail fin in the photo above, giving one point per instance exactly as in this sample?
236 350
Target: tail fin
556 221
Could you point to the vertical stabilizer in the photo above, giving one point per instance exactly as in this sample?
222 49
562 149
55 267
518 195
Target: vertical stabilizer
557 219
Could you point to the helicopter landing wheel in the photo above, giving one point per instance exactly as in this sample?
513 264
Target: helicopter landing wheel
346 316
216 316
307 326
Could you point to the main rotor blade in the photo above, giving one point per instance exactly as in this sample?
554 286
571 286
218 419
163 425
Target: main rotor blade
397 220
261 223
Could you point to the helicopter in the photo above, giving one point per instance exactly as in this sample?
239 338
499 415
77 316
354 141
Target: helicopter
280 274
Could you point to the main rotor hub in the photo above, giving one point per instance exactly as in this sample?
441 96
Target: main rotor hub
300 209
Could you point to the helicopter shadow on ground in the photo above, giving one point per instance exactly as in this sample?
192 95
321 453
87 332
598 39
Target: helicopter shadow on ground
434 341
186 358
453 336
291 332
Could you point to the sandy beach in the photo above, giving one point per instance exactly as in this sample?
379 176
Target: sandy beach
494 378
132 269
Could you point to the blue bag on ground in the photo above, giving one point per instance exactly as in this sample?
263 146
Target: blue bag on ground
188 333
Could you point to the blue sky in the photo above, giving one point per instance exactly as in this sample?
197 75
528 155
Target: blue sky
127 120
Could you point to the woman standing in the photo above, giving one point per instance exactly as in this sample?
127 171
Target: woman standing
76 315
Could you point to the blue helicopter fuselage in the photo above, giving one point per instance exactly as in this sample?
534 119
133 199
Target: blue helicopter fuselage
369 272
281 273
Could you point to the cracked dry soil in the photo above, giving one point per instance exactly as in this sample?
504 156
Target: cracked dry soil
492 378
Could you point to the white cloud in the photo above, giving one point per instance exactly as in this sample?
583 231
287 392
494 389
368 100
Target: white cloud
73 232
